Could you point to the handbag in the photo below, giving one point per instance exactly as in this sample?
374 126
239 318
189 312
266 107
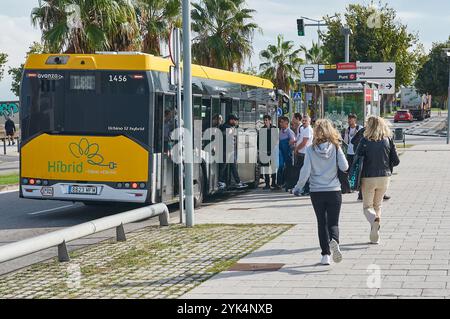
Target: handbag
343 177
356 173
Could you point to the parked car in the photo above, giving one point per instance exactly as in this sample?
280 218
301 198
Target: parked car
403 116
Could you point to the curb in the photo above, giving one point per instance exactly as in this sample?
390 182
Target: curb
7 188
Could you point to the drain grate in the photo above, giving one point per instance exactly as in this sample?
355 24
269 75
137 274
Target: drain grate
256 267
240 208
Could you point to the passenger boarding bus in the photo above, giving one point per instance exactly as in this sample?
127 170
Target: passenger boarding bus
97 128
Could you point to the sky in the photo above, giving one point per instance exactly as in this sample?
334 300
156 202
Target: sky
430 19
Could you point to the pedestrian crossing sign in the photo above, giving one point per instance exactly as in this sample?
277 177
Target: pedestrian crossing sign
297 96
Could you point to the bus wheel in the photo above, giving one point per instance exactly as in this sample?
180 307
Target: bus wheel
199 190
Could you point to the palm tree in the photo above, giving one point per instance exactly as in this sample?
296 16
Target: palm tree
156 19
224 33
281 64
315 55
85 26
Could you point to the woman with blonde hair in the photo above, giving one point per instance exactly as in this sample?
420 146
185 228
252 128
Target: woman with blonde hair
322 160
379 158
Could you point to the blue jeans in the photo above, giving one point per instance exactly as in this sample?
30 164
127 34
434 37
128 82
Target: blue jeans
285 158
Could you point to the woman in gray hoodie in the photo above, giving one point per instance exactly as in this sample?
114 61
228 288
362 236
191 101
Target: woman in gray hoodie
322 160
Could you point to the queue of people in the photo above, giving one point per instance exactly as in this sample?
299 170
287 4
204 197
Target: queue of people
314 157
319 155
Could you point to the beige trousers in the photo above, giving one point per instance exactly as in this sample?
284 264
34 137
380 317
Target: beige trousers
373 190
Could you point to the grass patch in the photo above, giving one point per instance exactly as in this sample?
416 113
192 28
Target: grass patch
9 179
221 265
132 258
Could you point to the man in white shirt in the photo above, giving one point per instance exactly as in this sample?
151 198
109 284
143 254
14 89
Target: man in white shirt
348 134
304 139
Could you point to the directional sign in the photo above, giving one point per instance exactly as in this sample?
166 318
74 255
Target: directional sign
374 70
347 67
380 72
309 73
333 73
387 86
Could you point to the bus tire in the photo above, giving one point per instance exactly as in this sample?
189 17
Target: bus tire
199 189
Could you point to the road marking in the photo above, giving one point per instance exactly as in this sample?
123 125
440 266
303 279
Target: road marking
11 191
50 210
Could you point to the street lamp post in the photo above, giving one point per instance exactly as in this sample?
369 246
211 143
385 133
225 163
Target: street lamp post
347 33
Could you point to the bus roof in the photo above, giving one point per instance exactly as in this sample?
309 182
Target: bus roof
136 62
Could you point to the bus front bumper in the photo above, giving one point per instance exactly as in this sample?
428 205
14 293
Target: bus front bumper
64 191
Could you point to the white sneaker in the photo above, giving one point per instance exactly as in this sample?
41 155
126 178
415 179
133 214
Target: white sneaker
375 232
326 260
241 185
222 186
336 251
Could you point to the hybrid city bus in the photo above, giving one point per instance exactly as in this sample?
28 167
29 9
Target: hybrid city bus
96 127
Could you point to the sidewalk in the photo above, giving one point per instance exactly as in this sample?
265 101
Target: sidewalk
411 261
9 163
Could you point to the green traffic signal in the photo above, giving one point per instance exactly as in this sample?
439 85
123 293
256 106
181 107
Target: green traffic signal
300 27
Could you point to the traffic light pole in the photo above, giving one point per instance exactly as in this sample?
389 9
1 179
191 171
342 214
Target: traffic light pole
187 114
318 24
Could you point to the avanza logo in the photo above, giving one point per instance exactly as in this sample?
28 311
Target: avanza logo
90 153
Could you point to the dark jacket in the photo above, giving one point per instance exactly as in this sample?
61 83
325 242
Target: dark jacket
379 157
9 126
357 138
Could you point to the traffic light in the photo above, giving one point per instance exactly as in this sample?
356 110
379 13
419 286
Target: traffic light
301 27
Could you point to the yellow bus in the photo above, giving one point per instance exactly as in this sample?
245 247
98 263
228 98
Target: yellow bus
95 127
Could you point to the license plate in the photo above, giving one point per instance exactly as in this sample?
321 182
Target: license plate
84 190
402 117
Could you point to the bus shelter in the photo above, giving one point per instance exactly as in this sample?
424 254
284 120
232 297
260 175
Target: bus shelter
335 101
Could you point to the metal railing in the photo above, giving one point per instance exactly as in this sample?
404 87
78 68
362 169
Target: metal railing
4 139
61 237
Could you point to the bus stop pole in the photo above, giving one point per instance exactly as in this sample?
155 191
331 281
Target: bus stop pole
187 112
180 123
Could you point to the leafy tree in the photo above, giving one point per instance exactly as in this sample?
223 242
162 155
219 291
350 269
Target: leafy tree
223 33
16 73
3 60
85 26
377 37
156 18
433 76
281 64
314 55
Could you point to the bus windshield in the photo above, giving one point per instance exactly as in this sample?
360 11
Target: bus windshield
88 102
